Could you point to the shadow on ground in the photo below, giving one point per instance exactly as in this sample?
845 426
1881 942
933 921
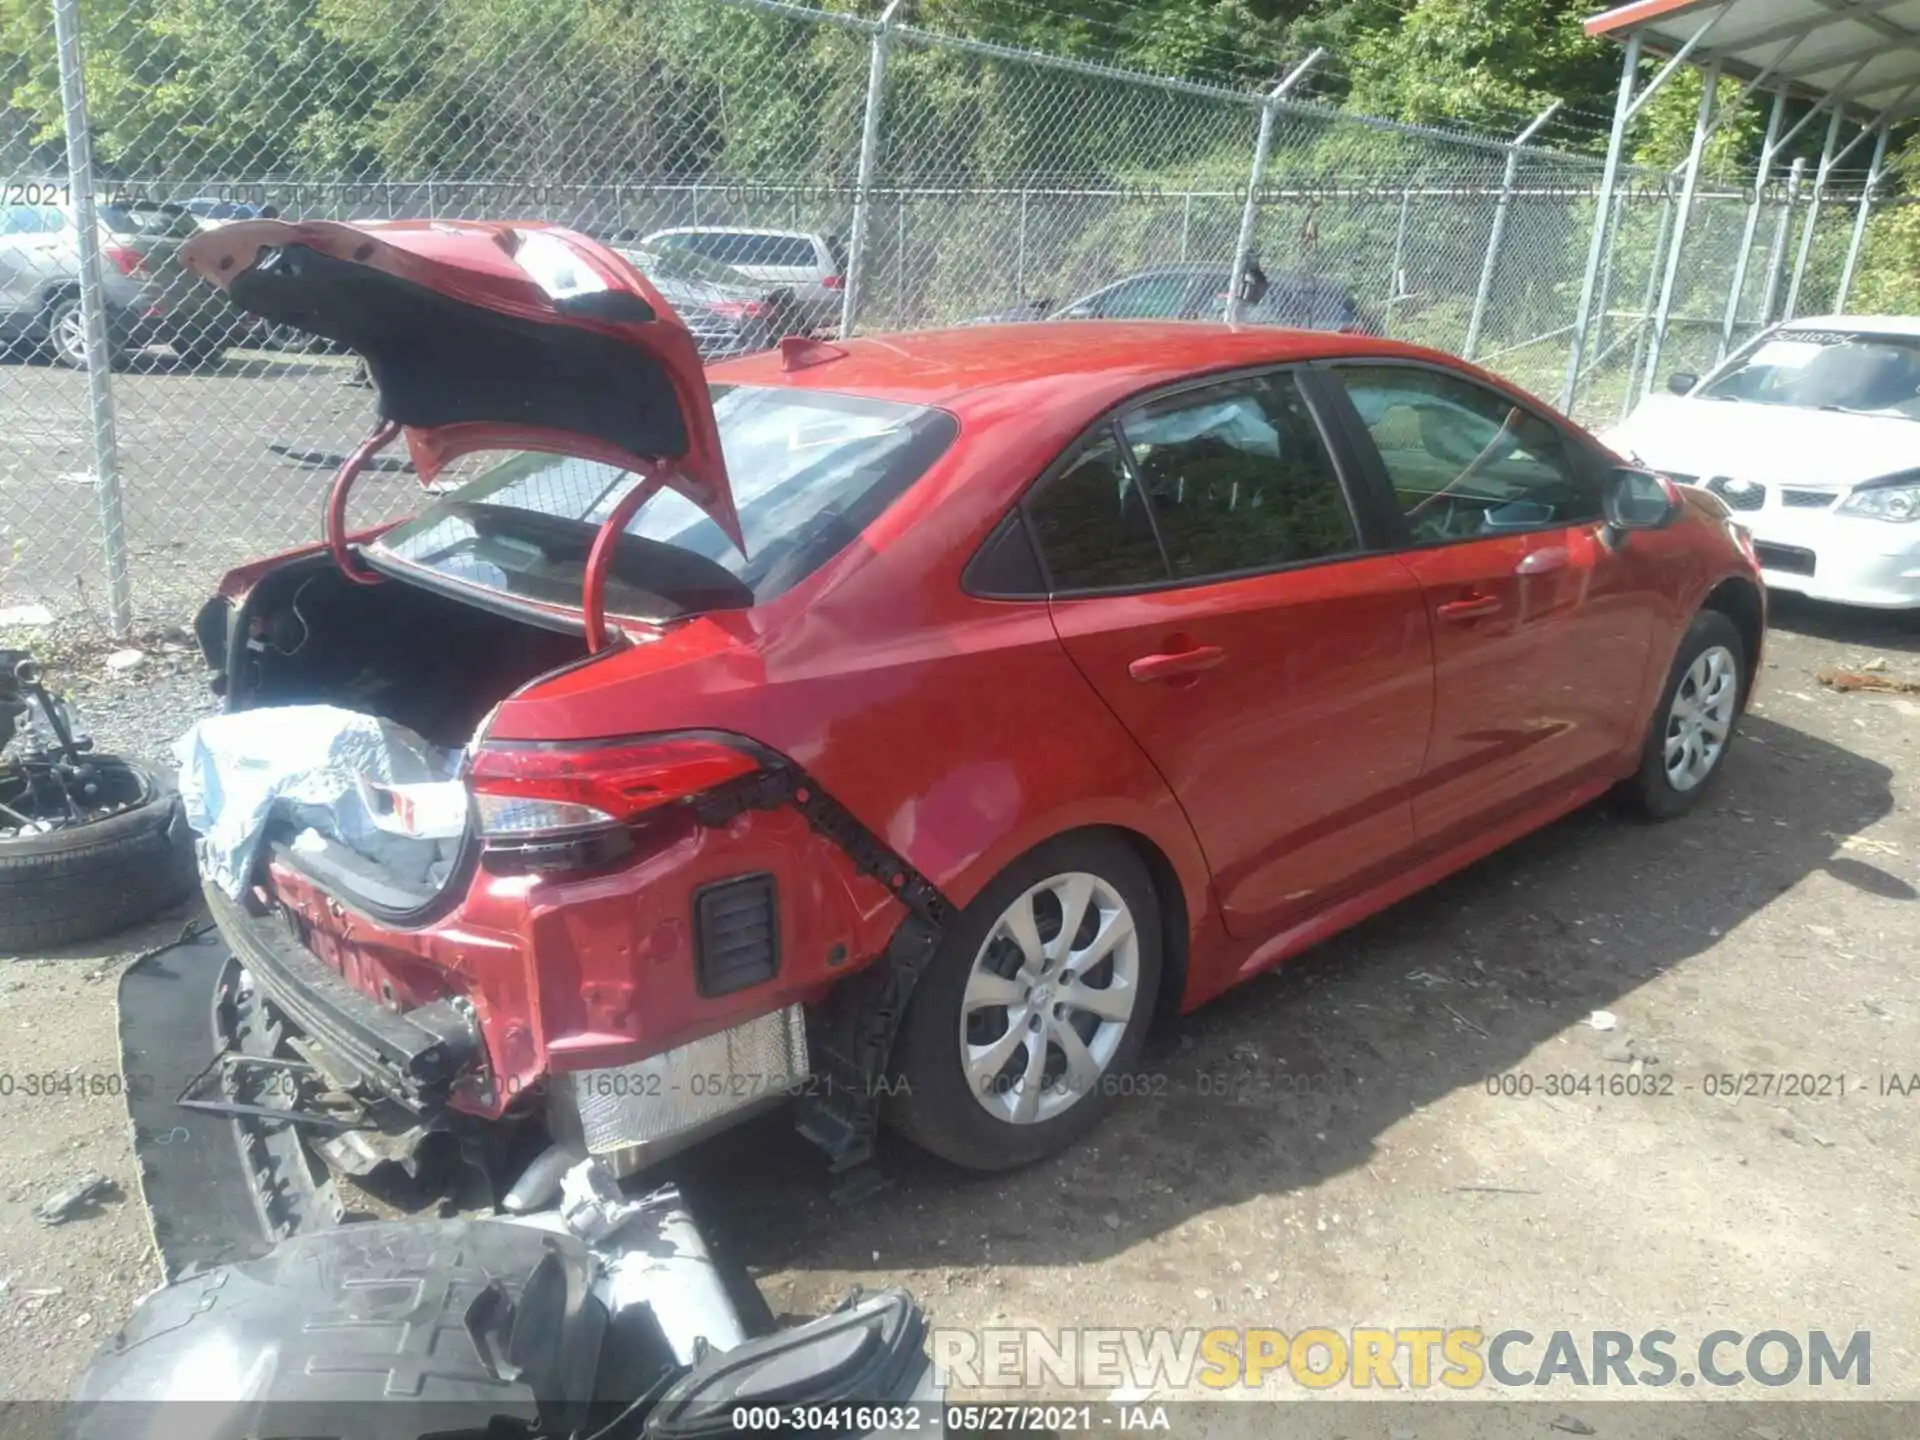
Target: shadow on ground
1291 1078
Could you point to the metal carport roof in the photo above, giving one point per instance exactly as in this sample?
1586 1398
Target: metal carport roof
1851 61
1864 54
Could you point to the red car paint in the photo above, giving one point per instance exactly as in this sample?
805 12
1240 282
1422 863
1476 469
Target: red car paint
1432 705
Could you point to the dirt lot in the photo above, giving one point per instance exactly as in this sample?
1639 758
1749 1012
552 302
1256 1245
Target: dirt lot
1334 1144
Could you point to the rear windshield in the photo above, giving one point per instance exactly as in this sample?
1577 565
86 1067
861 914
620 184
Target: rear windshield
809 470
1847 370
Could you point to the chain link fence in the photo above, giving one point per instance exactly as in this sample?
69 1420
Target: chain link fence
820 169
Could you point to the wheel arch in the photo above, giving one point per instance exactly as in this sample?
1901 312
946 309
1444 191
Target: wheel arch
1739 599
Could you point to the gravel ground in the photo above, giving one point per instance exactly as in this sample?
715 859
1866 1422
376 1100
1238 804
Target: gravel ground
1330 1145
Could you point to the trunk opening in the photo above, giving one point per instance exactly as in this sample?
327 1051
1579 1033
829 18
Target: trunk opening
398 652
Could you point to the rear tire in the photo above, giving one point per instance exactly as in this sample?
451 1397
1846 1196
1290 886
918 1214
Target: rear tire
948 1094
1694 722
67 335
98 877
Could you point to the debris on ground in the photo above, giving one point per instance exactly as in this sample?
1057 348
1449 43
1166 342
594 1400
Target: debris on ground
25 615
1572 1425
1602 1020
125 662
1848 680
60 1209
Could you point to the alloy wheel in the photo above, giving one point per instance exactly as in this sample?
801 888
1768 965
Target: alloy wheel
1701 717
1049 998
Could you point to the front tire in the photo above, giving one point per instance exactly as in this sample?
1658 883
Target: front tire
1033 1010
1693 723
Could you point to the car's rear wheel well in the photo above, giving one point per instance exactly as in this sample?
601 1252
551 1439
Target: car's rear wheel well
1173 921
1739 600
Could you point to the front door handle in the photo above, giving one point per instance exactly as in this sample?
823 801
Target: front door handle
1544 562
1174 663
1471 607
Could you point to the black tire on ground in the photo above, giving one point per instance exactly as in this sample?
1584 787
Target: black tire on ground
93 879
1650 791
929 1100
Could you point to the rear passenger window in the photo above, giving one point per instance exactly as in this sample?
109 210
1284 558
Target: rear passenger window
1240 478
1092 525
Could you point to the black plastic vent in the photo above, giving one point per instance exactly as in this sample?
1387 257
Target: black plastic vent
736 934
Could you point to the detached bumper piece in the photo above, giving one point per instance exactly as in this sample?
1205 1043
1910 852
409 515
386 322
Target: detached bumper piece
488 1330
867 1353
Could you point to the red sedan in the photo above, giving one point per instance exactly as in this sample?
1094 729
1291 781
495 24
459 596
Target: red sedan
905 723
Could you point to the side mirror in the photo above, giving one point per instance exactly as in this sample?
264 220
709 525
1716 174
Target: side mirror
1681 382
1638 500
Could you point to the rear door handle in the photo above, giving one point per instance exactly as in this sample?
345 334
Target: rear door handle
1174 663
1472 607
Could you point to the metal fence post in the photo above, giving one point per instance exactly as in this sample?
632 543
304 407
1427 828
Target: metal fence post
1499 231
1813 214
1186 223
1647 299
1262 147
1760 176
869 155
1020 251
1777 251
1602 213
93 313
1656 341
1860 219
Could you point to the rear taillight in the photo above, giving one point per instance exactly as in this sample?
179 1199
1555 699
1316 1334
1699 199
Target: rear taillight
127 261
833 282
554 807
741 309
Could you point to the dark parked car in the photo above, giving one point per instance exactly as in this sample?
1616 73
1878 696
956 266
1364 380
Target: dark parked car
1199 292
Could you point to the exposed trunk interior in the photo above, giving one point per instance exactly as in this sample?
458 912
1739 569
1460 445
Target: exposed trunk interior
402 653
407 654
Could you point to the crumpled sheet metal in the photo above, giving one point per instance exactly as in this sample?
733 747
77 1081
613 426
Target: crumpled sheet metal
303 762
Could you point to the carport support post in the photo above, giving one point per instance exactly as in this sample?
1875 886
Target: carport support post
93 312
1760 176
1702 120
1813 214
1262 147
1645 314
1860 220
1602 214
1777 253
869 154
1499 231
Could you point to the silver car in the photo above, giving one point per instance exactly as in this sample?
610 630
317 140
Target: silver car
811 267
151 299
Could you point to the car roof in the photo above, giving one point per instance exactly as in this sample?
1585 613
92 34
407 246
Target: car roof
1867 324
1081 366
733 230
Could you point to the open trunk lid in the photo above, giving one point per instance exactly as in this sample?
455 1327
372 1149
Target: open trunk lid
492 336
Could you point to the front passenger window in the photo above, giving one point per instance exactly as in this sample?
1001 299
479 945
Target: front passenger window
1465 461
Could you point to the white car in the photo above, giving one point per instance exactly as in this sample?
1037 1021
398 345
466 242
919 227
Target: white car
812 266
1811 435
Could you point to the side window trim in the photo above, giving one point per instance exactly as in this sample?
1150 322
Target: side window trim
1578 449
